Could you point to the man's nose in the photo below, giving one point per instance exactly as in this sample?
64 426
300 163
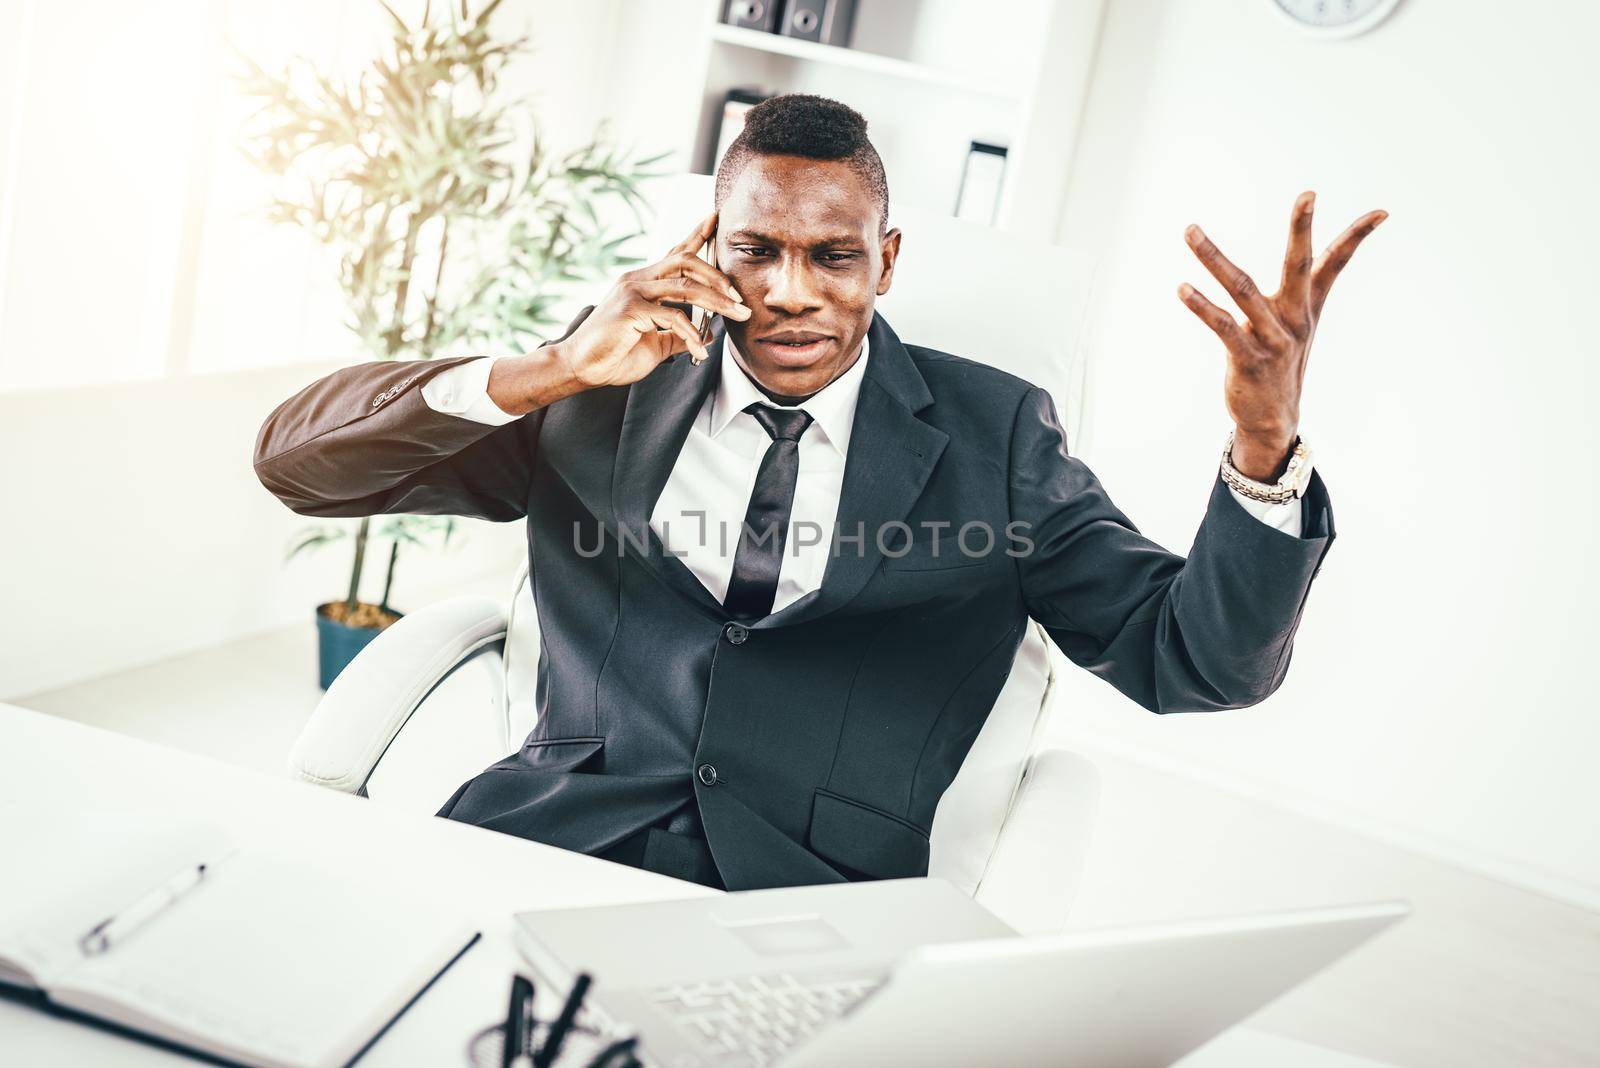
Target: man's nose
790 288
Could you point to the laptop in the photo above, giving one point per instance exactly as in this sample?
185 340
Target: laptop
913 971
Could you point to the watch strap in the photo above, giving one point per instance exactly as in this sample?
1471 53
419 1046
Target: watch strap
1290 486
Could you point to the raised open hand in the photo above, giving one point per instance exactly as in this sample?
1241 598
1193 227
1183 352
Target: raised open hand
1267 354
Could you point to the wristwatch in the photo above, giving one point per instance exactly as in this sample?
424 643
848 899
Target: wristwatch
1291 486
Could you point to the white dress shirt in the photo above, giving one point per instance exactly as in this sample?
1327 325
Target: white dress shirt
706 496
704 501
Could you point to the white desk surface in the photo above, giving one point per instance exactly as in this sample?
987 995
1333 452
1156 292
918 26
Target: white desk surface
484 875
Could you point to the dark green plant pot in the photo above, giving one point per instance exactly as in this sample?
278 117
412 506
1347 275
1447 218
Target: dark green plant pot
338 644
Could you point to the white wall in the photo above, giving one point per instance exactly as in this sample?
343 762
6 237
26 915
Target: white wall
1442 683
134 529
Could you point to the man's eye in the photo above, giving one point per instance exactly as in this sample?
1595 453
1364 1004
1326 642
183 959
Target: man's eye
838 257
751 250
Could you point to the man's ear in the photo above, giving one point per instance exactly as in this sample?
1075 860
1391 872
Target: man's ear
891 253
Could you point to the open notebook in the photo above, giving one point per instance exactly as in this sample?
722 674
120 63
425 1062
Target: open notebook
259 959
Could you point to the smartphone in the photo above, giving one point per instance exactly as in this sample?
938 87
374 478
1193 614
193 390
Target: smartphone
699 317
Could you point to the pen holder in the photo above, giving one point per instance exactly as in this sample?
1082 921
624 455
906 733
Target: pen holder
583 1047
524 1040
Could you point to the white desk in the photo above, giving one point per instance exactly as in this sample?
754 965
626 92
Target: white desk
483 875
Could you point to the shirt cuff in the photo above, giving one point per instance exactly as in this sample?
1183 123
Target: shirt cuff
464 390
1286 517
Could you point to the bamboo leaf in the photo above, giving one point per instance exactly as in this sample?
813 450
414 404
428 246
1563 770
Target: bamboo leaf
399 22
377 166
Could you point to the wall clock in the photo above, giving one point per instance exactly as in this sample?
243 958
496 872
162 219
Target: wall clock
1331 19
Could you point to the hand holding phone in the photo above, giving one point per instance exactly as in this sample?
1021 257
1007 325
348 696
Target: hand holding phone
699 316
652 313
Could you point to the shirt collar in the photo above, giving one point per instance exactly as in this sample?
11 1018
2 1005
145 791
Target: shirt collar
832 409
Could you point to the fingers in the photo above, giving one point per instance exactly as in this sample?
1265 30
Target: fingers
697 237
691 291
1239 285
1296 282
683 260
1336 255
1221 323
692 267
675 322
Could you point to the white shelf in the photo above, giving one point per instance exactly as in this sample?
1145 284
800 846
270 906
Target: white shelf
871 62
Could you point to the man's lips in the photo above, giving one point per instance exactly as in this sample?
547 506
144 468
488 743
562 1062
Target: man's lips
797 348
793 338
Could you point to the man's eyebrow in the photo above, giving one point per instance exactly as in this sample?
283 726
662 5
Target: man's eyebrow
825 242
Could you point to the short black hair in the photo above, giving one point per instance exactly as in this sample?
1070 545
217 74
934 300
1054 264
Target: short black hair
812 127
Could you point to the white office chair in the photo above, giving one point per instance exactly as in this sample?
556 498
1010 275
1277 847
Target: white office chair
450 689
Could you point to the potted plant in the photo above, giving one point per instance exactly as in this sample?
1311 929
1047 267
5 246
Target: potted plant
455 229
345 627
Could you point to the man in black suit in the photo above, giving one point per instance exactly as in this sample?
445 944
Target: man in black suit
782 581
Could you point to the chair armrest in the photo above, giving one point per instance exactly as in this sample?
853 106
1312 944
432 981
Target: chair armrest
374 696
1038 861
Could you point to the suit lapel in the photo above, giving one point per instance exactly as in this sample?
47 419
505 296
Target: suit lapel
660 411
892 454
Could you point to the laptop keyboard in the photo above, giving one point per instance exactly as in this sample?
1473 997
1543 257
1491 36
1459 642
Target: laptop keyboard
759 1017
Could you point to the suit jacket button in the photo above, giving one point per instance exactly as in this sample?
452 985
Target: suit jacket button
736 634
707 773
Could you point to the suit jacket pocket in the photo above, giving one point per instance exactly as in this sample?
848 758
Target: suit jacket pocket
859 836
561 754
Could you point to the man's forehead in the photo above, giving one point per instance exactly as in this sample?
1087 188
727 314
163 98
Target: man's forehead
802 198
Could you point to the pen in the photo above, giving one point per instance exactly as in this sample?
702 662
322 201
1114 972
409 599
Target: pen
100 937
518 1018
558 1031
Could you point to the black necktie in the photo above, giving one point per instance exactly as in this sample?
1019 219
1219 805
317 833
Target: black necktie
754 584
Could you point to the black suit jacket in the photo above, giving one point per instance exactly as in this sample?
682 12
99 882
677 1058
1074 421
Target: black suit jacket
834 725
